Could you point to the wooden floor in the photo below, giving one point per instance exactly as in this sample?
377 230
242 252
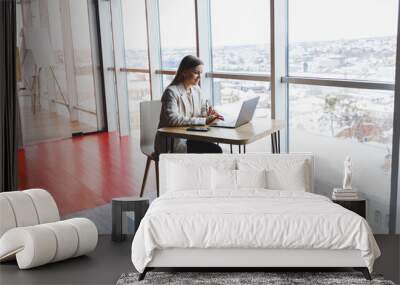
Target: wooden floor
88 171
84 172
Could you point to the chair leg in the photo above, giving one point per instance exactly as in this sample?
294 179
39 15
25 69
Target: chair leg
157 179
146 171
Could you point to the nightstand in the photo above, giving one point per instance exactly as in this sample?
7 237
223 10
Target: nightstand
121 206
358 206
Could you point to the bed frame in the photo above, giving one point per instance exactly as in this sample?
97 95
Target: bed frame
246 258
242 259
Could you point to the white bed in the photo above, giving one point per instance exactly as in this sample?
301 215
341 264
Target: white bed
247 227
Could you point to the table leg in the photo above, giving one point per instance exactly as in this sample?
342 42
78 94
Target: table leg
231 149
116 222
240 149
244 148
156 165
273 142
278 144
172 145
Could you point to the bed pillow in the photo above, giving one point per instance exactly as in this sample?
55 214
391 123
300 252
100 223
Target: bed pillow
282 173
288 177
185 178
223 179
251 178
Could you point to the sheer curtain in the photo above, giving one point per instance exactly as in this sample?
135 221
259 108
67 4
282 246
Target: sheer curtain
8 97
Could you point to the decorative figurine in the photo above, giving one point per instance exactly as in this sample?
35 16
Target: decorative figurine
347 174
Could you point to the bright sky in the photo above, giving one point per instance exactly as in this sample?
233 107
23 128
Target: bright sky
240 22
237 22
341 19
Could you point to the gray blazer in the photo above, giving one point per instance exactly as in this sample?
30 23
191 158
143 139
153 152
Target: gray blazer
175 113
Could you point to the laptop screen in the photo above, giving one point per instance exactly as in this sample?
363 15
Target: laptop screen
247 111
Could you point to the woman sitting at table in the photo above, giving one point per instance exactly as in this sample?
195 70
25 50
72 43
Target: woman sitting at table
184 105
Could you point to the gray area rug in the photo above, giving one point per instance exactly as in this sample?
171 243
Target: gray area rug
228 278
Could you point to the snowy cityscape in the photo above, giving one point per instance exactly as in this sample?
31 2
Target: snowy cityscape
363 115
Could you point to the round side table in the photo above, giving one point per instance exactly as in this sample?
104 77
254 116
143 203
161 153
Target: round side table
120 205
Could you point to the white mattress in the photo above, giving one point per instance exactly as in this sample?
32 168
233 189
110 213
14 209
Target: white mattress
252 219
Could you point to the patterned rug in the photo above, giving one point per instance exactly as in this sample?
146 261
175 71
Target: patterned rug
243 278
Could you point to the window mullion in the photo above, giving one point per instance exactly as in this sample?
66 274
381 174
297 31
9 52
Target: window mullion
154 48
203 25
279 60
119 61
108 64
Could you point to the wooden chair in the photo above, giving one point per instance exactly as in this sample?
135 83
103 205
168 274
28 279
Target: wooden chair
149 117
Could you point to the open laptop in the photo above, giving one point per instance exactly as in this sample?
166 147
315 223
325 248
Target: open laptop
245 115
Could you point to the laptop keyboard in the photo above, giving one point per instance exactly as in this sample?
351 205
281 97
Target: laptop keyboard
224 123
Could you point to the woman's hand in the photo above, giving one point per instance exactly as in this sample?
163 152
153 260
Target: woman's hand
211 112
210 119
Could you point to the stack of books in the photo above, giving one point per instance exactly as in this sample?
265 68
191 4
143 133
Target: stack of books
344 194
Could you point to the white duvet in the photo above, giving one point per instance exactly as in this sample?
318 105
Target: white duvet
251 218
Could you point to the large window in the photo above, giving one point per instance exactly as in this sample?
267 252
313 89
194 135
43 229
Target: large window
335 122
82 55
240 45
240 36
135 33
227 91
177 31
327 41
343 39
136 57
58 95
167 79
334 75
